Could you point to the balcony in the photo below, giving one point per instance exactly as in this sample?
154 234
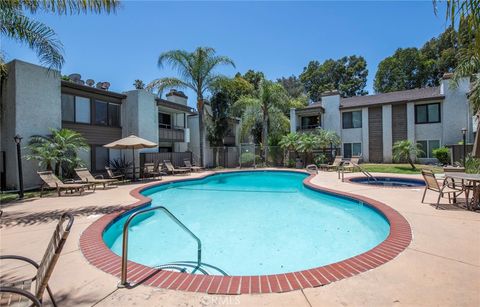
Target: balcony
308 128
171 135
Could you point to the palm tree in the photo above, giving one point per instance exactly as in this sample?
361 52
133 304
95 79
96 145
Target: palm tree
267 105
197 72
16 25
289 142
307 143
56 150
404 150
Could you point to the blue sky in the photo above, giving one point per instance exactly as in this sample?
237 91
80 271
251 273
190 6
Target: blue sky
278 38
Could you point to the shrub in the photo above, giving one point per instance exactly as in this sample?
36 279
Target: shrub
321 159
442 154
472 165
247 158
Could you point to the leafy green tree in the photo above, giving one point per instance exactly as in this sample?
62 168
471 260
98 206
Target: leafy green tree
413 68
403 70
255 78
293 86
218 122
348 75
404 150
16 24
57 150
234 88
197 72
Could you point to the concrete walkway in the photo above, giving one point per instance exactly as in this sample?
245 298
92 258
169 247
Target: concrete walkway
441 267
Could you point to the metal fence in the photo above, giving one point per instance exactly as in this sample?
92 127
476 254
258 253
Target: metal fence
457 151
177 158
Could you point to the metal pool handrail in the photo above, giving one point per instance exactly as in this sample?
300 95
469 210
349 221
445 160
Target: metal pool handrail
123 281
341 171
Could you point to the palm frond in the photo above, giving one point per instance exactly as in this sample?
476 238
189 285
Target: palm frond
162 84
36 35
68 7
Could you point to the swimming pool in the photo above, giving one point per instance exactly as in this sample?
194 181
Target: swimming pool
389 181
250 223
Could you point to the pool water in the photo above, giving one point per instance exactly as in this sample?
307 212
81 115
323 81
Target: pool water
390 181
250 223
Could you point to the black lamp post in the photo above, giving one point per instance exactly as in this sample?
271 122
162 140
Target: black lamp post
18 140
464 132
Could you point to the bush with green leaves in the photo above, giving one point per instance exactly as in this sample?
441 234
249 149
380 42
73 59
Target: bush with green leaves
442 154
248 158
472 165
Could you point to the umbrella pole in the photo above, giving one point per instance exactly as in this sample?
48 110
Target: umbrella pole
133 158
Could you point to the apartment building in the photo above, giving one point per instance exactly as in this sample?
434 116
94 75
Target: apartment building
35 99
369 125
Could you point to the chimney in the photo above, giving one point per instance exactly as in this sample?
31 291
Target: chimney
177 97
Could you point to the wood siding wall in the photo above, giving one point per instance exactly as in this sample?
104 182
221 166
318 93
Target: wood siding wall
95 135
375 134
399 122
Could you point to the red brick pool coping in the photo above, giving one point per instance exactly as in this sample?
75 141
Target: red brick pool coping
99 255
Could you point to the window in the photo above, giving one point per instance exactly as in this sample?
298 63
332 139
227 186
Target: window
427 113
101 113
100 157
352 119
310 122
352 149
114 114
82 110
164 120
68 108
165 149
428 147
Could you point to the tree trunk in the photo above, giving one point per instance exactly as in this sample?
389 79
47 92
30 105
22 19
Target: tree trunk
57 168
265 136
411 163
200 125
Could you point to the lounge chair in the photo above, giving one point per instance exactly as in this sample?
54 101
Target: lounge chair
111 174
431 183
86 177
173 170
20 292
334 166
352 165
152 170
193 168
312 168
51 181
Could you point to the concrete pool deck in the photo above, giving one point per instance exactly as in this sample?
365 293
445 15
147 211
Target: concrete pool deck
441 266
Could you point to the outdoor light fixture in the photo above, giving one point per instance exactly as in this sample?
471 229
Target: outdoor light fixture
464 132
18 140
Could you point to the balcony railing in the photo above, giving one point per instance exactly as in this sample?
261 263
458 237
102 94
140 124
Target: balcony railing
171 135
308 127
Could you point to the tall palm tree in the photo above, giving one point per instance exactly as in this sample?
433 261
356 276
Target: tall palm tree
267 105
16 25
57 149
196 71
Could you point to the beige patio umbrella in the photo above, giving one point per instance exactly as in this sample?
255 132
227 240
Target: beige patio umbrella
131 142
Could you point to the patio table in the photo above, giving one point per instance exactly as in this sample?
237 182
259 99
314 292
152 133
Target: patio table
474 203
